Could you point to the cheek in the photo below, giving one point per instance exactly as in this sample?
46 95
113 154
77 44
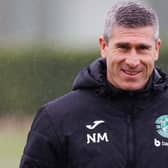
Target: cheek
112 63
115 59
149 64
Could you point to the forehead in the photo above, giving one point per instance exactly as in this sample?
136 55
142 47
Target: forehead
128 35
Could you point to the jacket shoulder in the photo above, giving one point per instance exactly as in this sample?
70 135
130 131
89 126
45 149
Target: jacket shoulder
69 104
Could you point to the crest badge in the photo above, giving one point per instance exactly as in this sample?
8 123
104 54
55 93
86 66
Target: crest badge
162 125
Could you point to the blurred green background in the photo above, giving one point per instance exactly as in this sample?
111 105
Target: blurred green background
43 45
30 78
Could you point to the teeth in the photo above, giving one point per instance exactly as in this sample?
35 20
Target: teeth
131 72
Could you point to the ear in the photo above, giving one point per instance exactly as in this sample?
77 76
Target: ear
103 45
157 47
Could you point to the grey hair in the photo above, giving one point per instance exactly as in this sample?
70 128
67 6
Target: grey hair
130 14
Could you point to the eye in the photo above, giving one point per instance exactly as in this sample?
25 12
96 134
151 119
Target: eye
123 46
143 47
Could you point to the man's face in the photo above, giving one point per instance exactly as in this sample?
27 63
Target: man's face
130 55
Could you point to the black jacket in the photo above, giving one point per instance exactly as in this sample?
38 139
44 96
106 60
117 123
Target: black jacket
99 126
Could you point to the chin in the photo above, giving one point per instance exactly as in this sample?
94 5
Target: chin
131 87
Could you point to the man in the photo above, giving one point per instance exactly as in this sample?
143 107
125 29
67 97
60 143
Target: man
116 115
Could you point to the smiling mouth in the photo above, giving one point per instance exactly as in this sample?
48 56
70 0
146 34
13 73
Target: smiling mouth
131 73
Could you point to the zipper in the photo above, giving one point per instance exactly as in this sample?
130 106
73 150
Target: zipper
130 142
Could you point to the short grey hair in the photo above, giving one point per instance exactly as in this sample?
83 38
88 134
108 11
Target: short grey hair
130 14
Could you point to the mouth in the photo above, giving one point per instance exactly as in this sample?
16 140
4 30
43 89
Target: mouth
131 73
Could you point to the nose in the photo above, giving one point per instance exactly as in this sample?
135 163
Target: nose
132 61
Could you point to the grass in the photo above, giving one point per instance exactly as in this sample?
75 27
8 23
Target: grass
13 134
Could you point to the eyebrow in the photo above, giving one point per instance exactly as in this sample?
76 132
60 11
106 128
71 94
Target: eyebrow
143 46
122 45
127 45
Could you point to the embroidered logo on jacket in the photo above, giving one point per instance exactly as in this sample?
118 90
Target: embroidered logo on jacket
159 143
96 137
162 125
95 124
